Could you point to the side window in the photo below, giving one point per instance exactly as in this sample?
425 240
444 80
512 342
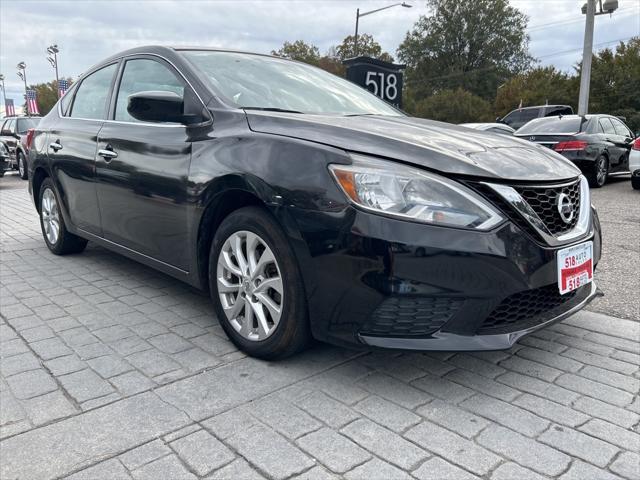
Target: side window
513 117
606 126
90 100
620 128
144 75
11 126
529 114
66 102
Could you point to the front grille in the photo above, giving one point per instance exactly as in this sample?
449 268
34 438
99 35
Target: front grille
411 316
544 201
528 308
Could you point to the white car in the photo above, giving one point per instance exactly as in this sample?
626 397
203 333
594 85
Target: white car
634 164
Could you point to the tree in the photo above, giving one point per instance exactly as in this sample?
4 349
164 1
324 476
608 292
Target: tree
299 50
471 44
46 95
454 106
367 46
538 86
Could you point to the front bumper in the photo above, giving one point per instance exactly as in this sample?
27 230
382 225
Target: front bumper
379 282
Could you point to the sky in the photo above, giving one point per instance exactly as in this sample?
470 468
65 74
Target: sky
86 31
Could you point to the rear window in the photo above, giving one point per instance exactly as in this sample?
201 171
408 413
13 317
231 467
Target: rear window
552 125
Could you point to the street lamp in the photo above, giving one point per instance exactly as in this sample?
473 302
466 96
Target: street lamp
53 51
22 73
589 9
4 94
358 15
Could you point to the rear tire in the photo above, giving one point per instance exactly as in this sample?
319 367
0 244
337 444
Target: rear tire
22 166
250 249
635 182
597 174
58 239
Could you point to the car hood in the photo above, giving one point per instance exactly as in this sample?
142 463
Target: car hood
433 145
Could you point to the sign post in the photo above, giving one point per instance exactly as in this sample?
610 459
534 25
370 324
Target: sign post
381 78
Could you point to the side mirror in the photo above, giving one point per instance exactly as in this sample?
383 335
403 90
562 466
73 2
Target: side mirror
156 107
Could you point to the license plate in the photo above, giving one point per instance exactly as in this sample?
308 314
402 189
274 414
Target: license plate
575 267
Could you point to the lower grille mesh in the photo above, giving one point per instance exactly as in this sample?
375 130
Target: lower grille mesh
411 316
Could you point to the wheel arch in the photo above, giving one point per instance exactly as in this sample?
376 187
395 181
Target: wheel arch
39 175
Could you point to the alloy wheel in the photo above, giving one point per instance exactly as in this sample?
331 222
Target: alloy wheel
20 166
250 285
50 216
601 174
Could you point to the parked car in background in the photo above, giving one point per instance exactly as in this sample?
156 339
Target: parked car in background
598 144
14 134
520 116
307 206
5 163
501 128
634 164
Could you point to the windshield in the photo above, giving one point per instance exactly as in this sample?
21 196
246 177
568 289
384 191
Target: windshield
25 124
552 125
261 82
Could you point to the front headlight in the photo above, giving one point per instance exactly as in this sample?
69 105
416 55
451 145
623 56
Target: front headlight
411 194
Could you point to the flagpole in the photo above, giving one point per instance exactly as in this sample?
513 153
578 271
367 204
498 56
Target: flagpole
4 94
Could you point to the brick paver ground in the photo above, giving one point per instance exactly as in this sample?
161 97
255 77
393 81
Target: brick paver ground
111 370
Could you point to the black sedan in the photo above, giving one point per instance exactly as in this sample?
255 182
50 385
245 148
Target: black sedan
598 144
308 207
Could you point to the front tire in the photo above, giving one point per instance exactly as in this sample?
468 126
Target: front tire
256 286
22 166
58 239
635 182
597 175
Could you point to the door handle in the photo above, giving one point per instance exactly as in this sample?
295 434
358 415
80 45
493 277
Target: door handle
55 146
107 153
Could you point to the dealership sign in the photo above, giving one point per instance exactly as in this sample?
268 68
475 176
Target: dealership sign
383 79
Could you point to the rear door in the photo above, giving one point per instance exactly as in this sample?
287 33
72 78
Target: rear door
143 168
624 139
72 148
616 147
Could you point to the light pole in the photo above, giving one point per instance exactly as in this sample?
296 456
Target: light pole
4 93
589 9
22 73
53 60
358 15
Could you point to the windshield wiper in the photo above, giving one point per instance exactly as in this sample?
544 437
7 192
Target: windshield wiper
272 109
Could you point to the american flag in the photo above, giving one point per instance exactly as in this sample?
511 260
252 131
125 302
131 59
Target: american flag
9 109
63 85
32 104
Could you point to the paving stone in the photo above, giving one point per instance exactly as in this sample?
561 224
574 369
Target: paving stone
550 359
77 336
583 471
506 414
85 385
130 345
443 389
475 365
386 413
15 428
482 384
170 343
449 416
325 408
616 342
284 417
12 347
578 444
183 432
230 423
152 362
48 407
627 465
333 450
100 401
551 410
31 384
453 447
597 322
613 379
394 390
539 387
601 361
63 365
188 330
623 438
524 451
22 362
35 334
94 350
144 454
57 449
11 410
512 471
238 469
269 451
542 344
110 469
202 452
533 369
109 366
165 467
387 445
50 348
610 413
376 469
593 389
113 333
196 359
147 330
439 469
